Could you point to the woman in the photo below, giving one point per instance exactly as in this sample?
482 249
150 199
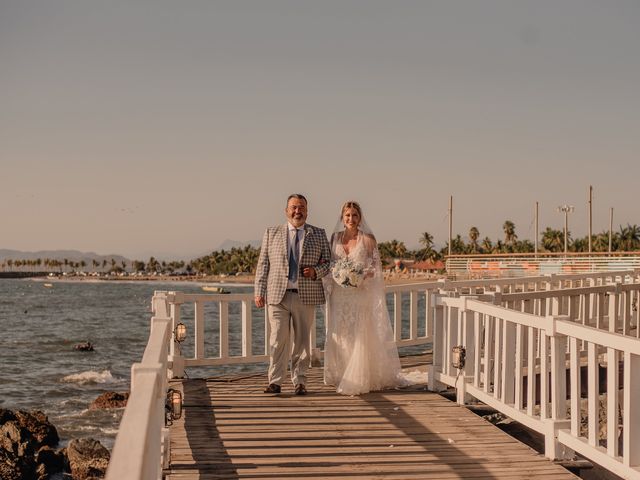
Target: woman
360 352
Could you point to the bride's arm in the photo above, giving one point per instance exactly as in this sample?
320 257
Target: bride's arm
373 267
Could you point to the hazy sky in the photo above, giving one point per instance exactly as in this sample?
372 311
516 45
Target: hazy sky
166 127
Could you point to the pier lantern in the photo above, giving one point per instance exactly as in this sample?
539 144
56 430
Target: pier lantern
173 406
180 332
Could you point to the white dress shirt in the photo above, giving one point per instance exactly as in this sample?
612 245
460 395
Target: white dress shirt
291 241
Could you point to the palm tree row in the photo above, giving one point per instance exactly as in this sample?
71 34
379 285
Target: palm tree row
627 239
245 259
53 265
227 262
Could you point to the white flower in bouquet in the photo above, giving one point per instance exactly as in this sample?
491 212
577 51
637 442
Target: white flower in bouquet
347 273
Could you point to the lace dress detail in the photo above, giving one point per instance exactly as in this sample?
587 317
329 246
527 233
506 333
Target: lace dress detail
360 352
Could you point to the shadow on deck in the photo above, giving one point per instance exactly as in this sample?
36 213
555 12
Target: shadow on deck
230 429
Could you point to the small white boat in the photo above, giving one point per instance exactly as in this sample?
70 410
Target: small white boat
48 285
208 288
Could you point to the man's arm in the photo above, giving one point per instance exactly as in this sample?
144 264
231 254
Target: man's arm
262 272
324 263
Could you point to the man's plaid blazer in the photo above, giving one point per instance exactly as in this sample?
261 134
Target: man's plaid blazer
273 265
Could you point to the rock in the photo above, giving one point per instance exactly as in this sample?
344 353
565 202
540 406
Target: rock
13 467
22 434
110 400
84 347
87 458
38 425
50 461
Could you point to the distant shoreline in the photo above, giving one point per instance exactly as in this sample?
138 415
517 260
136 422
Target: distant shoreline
239 280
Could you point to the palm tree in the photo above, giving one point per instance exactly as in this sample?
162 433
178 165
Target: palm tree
487 245
153 265
392 249
426 239
509 229
458 246
474 234
629 237
580 244
523 246
553 240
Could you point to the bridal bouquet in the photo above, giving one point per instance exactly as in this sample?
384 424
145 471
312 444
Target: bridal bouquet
347 273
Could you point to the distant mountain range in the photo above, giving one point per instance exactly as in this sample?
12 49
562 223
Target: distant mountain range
77 256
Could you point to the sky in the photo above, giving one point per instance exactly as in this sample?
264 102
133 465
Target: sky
164 128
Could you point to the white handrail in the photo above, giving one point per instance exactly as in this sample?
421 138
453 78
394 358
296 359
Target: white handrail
142 447
242 325
519 265
508 348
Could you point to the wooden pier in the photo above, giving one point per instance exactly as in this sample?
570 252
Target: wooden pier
230 429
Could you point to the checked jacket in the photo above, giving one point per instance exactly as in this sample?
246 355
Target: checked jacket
273 265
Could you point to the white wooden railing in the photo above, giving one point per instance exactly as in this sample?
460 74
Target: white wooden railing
141 449
518 265
240 329
519 347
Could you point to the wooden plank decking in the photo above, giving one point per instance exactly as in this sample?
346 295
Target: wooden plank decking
230 429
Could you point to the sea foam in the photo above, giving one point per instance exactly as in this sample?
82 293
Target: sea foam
90 376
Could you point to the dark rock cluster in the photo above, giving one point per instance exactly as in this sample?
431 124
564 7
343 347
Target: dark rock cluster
110 400
27 450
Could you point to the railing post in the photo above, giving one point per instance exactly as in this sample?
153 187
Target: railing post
247 322
631 410
397 316
558 421
176 359
439 336
224 329
465 338
413 314
199 330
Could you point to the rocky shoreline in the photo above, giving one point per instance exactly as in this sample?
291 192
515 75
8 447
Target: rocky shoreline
28 446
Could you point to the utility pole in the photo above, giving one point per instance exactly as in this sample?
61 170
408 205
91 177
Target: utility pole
566 209
536 230
590 216
450 222
610 229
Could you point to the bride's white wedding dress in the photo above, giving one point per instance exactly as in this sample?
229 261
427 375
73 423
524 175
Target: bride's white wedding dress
360 352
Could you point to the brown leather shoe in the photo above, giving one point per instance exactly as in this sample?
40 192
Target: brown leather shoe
301 389
272 388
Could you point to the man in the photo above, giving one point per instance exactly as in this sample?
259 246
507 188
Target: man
293 259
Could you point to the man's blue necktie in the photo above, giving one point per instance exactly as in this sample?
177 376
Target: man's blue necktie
293 259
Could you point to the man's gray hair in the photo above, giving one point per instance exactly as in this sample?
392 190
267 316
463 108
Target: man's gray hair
299 196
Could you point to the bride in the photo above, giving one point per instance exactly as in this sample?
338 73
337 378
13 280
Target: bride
360 353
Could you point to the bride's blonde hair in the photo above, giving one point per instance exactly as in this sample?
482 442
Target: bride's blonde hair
351 204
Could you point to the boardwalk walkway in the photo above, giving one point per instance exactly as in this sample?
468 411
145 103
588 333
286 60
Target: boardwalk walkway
230 429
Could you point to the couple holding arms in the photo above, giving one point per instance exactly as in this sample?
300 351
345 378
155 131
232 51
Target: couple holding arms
294 275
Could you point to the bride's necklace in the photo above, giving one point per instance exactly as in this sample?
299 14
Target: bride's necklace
348 244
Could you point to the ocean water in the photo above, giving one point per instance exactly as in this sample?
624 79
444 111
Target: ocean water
40 369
